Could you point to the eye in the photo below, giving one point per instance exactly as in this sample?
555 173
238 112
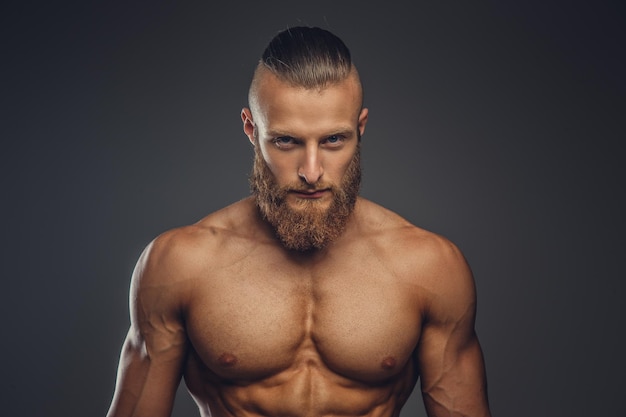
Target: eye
334 140
283 142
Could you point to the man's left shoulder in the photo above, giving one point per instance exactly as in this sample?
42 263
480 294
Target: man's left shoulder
393 229
428 255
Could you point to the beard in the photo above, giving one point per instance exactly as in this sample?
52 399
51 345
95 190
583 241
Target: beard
309 226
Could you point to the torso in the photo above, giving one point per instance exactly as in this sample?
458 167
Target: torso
273 333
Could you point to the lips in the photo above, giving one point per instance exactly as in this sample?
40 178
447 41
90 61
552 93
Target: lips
310 193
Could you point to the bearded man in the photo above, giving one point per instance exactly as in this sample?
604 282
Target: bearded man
303 299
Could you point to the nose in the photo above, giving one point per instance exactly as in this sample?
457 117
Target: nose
311 168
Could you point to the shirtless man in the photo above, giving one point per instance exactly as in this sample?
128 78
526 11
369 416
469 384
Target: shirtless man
303 299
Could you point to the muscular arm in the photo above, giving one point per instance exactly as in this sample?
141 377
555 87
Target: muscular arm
152 357
450 359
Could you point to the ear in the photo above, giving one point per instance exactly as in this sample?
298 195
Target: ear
362 120
248 124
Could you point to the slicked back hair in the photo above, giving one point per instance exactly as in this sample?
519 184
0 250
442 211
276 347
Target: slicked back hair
308 57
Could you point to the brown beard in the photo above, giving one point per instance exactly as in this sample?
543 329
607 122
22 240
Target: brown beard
310 227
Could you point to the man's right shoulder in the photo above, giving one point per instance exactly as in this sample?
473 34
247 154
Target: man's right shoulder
184 252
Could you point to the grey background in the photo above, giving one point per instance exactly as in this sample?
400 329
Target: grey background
496 124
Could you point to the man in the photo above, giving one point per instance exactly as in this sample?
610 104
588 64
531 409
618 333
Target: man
303 299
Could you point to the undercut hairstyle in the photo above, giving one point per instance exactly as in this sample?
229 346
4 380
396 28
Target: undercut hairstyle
308 57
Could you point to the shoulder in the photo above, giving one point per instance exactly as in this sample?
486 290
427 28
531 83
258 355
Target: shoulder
425 260
388 229
184 254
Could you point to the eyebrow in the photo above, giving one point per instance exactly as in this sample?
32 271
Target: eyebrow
339 132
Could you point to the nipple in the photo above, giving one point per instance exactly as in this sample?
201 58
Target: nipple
388 363
227 359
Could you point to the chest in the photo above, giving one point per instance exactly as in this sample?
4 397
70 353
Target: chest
357 319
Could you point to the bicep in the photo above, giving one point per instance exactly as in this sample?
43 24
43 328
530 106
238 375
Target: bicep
449 355
154 351
452 374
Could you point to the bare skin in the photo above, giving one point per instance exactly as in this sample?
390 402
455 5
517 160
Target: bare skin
259 330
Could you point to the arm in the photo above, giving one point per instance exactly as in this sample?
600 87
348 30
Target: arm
451 364
153 354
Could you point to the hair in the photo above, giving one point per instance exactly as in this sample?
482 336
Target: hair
308 57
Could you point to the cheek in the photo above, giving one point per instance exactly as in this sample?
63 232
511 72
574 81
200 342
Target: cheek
339 167
280 167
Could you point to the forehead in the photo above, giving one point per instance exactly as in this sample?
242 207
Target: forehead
279 106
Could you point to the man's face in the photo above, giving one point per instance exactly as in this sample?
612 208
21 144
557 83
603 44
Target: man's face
306 173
